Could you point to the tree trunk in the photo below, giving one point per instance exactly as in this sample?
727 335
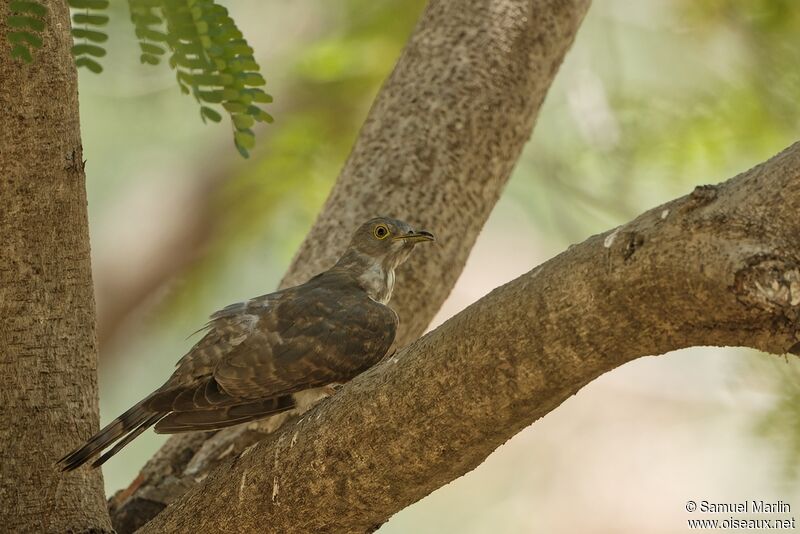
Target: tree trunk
49 359
436 150
718 267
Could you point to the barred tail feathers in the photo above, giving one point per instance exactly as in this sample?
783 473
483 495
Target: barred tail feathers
125 427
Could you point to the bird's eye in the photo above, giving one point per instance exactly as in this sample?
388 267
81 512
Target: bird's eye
381 231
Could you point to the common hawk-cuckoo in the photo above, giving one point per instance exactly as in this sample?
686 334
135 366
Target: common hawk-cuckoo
264 355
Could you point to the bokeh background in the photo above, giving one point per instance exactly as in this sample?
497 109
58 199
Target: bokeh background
655 97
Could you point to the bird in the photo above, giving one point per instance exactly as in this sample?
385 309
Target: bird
276 352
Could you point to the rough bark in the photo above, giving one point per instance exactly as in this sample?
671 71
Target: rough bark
47 338
720 266
436 150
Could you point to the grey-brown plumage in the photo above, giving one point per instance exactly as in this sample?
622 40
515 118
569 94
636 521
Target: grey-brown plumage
259 357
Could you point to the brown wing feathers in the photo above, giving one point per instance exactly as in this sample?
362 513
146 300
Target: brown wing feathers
223 417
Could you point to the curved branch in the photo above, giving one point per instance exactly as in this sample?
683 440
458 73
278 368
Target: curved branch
720 266
436 149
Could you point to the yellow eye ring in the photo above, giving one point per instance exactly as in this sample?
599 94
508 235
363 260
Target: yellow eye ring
381 231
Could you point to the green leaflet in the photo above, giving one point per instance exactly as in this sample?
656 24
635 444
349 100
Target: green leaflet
23 21
26 22
87 18
89 35
208 113
94 5
88 50
28 6
24 37
244 141
89 63
90 19
242 121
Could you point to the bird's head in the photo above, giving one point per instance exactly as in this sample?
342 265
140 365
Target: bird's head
376 249
387 241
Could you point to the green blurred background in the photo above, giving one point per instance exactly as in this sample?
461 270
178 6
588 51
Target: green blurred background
655 97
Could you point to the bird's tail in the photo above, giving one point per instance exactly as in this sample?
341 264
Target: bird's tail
124 428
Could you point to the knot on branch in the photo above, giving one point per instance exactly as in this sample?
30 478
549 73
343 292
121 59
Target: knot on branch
702 196
633 242
772 284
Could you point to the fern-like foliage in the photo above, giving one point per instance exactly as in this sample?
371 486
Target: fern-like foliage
210 56
214 63
87 19
25 22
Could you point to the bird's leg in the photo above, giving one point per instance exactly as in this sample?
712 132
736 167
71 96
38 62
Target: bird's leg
330 389
389 355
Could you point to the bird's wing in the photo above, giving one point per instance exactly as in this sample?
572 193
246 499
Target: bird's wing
192 385
325 332
319 333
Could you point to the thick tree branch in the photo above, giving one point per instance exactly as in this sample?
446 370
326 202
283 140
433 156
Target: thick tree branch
718 267
437 148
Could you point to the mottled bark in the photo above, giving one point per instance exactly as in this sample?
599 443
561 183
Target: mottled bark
720 266
48 357
436 150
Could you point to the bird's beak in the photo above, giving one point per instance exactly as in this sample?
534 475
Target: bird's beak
417 236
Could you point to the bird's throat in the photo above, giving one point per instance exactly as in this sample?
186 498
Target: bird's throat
378 282
374 275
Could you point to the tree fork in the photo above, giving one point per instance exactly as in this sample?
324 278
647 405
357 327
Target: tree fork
436 150
720 266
